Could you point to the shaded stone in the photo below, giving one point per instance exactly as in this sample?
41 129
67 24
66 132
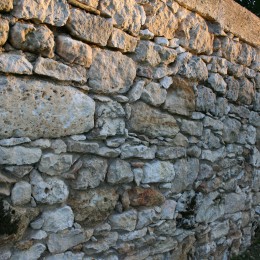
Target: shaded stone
193 128
21 193
92 206
60 71
246 92
153 123
82 146
119 171
125 14
213 155
4 29
145 197
19 171
158 171
105 78
133 235
180 97
169 153
206 100
217 83
168 209
137 151
231 130
124 221
34 252
74 51
136 91
38 102
47 11
65 256
232 88
235 202
14 141
33 38
19 155
88 27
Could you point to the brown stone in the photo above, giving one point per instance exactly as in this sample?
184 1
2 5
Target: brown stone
4 30
6 5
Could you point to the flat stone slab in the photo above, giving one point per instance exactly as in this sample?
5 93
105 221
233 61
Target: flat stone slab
37 108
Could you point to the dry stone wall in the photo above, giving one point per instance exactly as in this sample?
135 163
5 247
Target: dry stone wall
129 129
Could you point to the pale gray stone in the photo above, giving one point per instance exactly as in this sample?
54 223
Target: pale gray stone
82 146
4 27
168 209
14 141
146 217
232 88
49 191
214 155
66 256
58 243
38 235
257 102
133 235
42 143
158 171
138 151
34 117
14 63
153 122
136 91
169 153
108 152
206 100
119 171
255 158
246 92
37 224
19 155
74 51
21 193
33 38
217 83
124 221
54 164
105 78
146 34
219 230
166 82
19 171
231 130
138 175
88 27
161 41
34 252
153 94
58 146
235 202
193 128
213 123
91 174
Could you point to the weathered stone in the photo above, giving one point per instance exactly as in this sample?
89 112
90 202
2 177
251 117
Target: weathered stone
193 128
168 209
144 197
110 118
19 155
93 206
153 123
60 71
206 100
219 230
125 14
47 11
169 153
49 191
82 146
19 171
146 217
235 202
108 152
217 83
38 102
214 155
136 91
133 235
231 130
33 38
161 41
163 22
14 141
257 102
4 29
105 78
34 252
137 151
58 243
66 256
246 92
57 219
166 82
158 171
6 5
229 48
91 174
21 193
180 97
153 94
218 65
232 88
124 221
186 172
122 41
74 51
58 146
246 55
88 27
15 221
119 171
255 158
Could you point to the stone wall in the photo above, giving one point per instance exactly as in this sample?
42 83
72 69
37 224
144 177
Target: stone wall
129 129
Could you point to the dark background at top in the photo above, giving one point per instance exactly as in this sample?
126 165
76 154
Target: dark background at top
252 5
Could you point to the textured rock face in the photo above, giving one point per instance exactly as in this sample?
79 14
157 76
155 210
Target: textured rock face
4 29
6 5
43 99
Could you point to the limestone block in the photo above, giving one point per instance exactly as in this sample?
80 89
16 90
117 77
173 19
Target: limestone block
193 34
6 5
168 209
230 49
122 41
169 152
21 193
206 100
180 97
246 91
153 122
74 51
4 30
33 38
124 221
232 88
193 128
111 72
38 109
60 71
137 151
14 141
125 14
158 171
13 63
88 27
217 83
44 11
93 206
19 155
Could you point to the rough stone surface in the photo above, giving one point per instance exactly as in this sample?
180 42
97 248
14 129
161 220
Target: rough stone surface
6 5
35 119
34 252
21 193
4 28
125 221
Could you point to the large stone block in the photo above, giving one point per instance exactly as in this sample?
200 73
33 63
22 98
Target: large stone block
111 72
44 11
4 30
88 27
151 121
36 108
33 38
